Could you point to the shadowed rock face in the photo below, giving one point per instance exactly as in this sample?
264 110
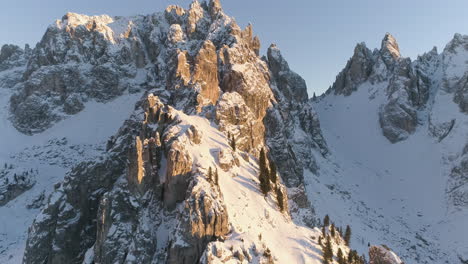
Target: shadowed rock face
357 70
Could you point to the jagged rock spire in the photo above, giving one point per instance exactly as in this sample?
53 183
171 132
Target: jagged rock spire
389 48
215 7
289 83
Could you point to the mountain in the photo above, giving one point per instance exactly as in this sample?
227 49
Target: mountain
397 131
167 138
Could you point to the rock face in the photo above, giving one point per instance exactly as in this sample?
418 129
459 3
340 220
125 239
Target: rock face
457 189
357 70
150 199
293 133
383 255
407 84
292 111
13 56
13 183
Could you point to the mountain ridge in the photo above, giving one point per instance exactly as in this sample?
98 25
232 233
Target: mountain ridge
145 194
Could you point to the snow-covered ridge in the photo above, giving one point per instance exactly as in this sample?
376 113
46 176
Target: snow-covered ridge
398 140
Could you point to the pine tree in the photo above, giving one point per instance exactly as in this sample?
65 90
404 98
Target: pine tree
320 240
263 177
326 221
328 250
323 230
353 257
332 230
347 236
216 177
314 97
279 198
210 175
340 257
232 142
273 172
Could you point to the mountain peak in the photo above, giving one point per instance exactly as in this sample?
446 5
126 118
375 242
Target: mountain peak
457 41
215 7
390 46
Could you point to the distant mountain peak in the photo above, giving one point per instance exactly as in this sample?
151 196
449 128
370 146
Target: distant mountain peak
390 46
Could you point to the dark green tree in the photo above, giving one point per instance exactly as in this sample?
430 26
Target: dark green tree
210 175
273 172
326 221
328 250
347 236
233 143
340 257
279 198
332 230
353 257
264 174
216 177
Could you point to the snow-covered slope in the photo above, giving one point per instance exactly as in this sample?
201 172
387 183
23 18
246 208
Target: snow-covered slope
51 153
398 193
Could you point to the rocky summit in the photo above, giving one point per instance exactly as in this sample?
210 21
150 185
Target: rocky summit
169 138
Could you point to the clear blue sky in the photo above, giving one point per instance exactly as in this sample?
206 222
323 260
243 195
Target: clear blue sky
316 37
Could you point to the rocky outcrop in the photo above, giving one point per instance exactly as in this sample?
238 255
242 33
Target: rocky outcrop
288 116
13 56
203 219
293 134
457 187
383 255
14 182
461 93
291 85
357 70
206 72
407 84
236 118
389 50
397 121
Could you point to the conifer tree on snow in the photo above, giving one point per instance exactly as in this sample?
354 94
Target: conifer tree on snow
273 172
328 250
210 175
347 236
233 143
332 230
216 177
326 221
279 198
264 174
340 257
353 258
